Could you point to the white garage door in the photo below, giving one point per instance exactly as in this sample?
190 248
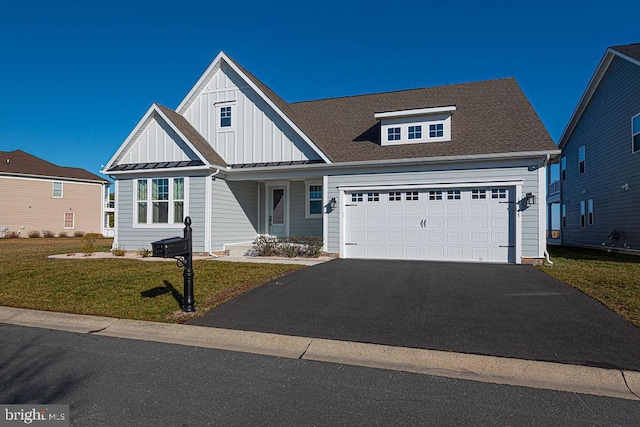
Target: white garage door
450 224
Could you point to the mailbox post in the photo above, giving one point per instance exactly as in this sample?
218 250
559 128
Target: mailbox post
180 248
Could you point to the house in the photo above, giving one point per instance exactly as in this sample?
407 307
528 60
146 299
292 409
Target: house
600 160
441 173
40 196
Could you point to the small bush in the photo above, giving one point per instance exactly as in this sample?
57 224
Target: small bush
78 233
33 234
12 235
88 244
304 246
144 252
120 251
48 234
94 235
63 234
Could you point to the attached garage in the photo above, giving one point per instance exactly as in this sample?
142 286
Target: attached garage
449 224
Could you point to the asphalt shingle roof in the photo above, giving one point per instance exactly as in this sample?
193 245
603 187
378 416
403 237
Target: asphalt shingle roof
630 50
18 162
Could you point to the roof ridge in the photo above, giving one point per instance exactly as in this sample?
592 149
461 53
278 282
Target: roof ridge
400 90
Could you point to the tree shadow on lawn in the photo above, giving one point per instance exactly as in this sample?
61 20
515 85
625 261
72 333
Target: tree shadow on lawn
163 290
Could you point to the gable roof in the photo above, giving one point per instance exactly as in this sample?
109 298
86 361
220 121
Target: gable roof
18 162
629 52
491 117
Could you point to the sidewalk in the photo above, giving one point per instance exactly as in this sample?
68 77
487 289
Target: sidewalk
545 375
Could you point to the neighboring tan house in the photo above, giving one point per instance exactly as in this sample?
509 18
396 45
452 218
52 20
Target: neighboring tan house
37 195
600 161
442 173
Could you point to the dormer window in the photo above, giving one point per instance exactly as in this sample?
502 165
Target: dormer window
416 126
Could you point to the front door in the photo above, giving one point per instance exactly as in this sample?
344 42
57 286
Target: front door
277 212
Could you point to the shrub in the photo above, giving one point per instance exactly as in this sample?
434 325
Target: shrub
63 234
12 235
144 252
304 246
48 234
94 235
88 244
33 234
120 251
78 233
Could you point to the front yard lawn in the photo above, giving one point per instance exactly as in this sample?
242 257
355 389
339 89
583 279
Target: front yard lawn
613 279
119 288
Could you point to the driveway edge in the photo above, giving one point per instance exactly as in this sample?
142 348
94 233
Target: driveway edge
498 370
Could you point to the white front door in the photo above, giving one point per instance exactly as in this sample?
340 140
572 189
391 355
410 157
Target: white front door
278 211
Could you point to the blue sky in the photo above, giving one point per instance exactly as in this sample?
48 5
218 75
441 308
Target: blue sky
76 76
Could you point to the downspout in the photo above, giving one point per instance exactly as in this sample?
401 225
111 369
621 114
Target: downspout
209 216
546 253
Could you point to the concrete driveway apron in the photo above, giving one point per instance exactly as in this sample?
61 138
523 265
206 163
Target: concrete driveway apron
500 310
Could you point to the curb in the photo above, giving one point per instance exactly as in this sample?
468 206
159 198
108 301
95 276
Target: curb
490 369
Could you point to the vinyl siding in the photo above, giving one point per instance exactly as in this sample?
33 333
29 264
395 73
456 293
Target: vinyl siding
452 174
28 205
234 213
300 225
604 129
133 238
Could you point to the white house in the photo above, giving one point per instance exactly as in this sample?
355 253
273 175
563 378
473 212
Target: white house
452 173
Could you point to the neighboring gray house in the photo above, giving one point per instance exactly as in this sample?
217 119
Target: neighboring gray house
600 161
445 173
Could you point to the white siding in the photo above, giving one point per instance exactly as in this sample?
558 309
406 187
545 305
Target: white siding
257 133
157 142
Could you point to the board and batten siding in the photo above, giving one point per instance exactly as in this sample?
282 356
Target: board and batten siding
234 212
604 129
130 237
258 134
157 142
530 242
28 205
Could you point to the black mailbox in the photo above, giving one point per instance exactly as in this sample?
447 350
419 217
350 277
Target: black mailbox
170 248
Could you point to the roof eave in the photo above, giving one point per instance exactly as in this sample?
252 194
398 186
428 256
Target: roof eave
56 178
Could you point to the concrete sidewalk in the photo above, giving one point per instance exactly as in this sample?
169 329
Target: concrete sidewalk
500 370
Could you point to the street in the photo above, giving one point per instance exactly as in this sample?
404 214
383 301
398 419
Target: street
113 382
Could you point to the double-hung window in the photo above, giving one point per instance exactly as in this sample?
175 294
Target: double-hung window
564 216
160 201
314 200
225 117
635 132
581 160
590 211
582 214
56 190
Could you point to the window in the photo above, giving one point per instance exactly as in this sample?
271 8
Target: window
635 132
590 211
563 168
478 194
373 197
393 134
564 216
411 195
69 218
435 195
582 214
415 132
453 195
356 197
56 191
499 193
436 130
164 204
225 117
314 200
581 159
395 196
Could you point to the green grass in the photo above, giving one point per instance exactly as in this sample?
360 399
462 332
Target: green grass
121 288
610 278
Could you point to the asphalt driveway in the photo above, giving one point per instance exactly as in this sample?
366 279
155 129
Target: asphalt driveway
499 310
